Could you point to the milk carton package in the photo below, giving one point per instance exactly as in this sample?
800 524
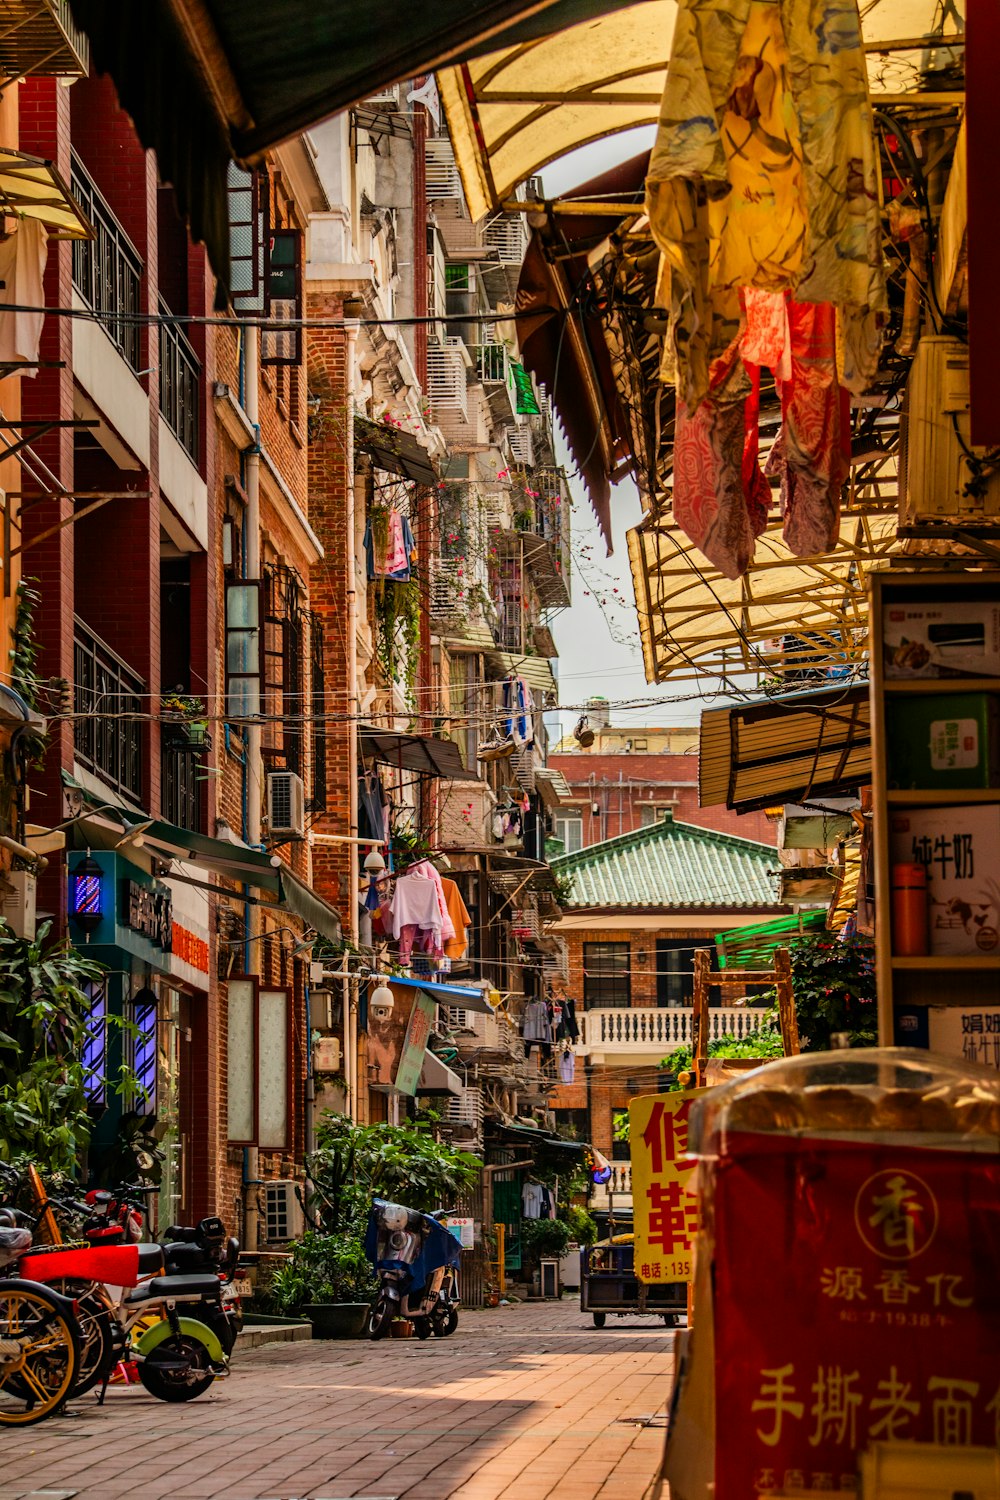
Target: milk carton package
960 849
949 639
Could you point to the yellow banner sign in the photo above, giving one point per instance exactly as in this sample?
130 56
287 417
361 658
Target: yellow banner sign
664 1209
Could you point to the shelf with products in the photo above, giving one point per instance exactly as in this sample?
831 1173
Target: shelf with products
931 734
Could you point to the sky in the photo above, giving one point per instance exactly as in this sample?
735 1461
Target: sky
598 636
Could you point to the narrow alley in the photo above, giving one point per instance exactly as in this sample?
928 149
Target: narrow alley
525 1401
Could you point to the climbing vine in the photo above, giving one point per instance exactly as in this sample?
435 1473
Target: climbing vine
397 632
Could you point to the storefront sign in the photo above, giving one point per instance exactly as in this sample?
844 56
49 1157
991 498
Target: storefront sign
665 1211
856 1301
972 1032
148 911
464 1231
415 1043
190 948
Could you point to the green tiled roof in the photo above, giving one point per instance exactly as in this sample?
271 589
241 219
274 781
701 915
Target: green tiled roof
673 865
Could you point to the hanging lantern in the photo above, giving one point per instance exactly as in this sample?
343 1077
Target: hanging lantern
86 895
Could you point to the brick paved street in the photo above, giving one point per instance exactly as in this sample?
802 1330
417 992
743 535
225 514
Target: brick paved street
522 1402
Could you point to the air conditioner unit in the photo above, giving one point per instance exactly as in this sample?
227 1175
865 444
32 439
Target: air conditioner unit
934 470
284 1219
286 804
17 902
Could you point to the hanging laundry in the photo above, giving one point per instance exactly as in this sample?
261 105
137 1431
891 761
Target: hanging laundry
518 708
567 1065
22 270
765 174
415 909
537 1023
456 947
568 1028
390 557
532 1198
424 870
373 808
721 498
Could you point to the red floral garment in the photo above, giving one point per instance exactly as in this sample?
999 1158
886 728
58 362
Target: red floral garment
721 499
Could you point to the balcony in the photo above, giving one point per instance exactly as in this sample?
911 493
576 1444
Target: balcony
492 365
541 533
107 701
180 372
182 775
40 36
617 1191
107 270
631 1031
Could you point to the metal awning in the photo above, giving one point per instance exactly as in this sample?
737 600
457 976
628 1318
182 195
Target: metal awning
513 874
395 451
553 788
536 670
106 824
516 108
466 997
425 754
437 1078
788 749
31 188
785 612
753 947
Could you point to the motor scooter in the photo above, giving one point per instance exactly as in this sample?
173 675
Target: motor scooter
416 1260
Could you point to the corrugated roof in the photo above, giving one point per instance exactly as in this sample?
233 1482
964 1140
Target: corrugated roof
672 865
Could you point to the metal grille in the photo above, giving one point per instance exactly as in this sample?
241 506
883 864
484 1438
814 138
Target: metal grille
446 382
41 35
107 270
284 651
180 370
181 772
443 178
317 698
107 700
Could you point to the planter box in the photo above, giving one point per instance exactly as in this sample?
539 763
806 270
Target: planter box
337 1320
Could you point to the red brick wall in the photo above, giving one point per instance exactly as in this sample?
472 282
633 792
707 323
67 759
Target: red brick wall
621 783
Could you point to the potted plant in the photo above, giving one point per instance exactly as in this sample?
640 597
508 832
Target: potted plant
186 717
329 1281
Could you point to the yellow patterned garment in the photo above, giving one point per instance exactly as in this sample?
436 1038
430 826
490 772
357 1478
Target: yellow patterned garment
764 174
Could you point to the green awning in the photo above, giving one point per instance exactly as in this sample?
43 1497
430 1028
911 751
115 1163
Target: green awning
753 947
527 401
220 78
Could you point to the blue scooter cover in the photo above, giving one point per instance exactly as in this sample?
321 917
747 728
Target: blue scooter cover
423 1247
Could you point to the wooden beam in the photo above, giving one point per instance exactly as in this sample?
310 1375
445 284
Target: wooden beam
699 1020
786 1003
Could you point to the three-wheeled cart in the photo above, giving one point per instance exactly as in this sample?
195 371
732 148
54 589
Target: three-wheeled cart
608 1284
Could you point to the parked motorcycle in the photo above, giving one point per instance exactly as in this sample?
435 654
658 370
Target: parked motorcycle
416 1260
128 1294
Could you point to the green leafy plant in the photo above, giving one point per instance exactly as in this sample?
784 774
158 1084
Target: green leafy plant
404 1163
581 1225
44 1010
764 1043
323 1268
833 985
543 1238
24 663
397 631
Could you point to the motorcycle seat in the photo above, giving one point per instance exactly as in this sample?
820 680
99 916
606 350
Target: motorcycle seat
150 1258
176 1286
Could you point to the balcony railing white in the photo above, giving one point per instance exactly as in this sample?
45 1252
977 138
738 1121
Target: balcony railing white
662 1029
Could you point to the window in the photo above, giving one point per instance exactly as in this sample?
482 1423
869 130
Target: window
640 744
283 346
569 829
244 650
620 1150
258 1064
457 278
648 814
248 239
607 981
284 662
317 698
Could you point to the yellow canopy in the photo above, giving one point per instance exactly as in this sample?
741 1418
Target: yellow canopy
512 111
693 621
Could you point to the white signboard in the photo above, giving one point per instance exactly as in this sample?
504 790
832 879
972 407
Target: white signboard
464 1231
972 1032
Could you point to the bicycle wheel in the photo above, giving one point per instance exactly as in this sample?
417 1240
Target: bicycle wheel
99 1341
39 1353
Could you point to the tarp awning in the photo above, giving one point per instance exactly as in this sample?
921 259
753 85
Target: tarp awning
425 754
518 107
785 612
536 670
465 996
218 79
395 451
31 188
789 749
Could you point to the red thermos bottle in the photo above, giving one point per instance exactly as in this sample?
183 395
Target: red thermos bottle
909 910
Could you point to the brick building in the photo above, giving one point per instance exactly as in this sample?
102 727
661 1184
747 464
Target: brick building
638 906
630 777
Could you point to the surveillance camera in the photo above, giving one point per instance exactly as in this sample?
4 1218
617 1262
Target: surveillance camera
380 1012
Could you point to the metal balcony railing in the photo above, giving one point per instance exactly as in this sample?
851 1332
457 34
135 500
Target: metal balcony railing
107 702
182 774
180 370
41 36
492 363
107 270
